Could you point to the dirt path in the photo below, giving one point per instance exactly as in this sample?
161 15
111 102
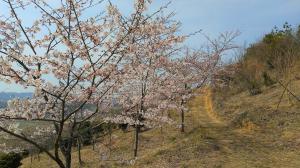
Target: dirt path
203 111
208 105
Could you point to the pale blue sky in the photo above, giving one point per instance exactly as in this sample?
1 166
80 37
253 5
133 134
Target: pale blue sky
253 18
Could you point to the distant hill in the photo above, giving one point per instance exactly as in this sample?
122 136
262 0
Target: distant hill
5 96
3 104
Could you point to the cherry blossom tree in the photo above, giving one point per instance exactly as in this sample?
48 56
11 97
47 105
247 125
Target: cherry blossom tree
144 94
195 68
69 57
72 59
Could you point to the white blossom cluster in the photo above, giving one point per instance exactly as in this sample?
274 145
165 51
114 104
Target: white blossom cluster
74 59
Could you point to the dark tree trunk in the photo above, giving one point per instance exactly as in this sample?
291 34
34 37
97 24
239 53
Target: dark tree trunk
66 147
79 152
182 116
182 120
60 163
137 130
110 139
136 143
67 152
182 111
56 159
93 141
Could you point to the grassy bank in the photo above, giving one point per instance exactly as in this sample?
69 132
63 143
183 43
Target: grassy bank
236 131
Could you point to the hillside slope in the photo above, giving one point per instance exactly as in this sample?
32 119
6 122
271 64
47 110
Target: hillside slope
237 131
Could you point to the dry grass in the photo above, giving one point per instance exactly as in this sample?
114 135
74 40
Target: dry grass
244 131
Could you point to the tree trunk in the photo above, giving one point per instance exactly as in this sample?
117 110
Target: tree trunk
110 139
136 144
68 155
38 156
56 159
67 150
182 120
79 152
182 109
137 130
182 115
93 141
60 163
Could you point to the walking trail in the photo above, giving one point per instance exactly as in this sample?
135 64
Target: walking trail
203 110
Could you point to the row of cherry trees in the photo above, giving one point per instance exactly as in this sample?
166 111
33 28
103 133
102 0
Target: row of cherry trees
72 59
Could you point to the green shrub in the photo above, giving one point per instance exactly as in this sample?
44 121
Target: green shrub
275 57
85 132
254 88
10 160
268 80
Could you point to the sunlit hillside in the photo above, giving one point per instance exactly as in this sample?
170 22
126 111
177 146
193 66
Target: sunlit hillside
149 84
237 131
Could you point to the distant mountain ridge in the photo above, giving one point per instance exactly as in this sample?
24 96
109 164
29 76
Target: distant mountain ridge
5 96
